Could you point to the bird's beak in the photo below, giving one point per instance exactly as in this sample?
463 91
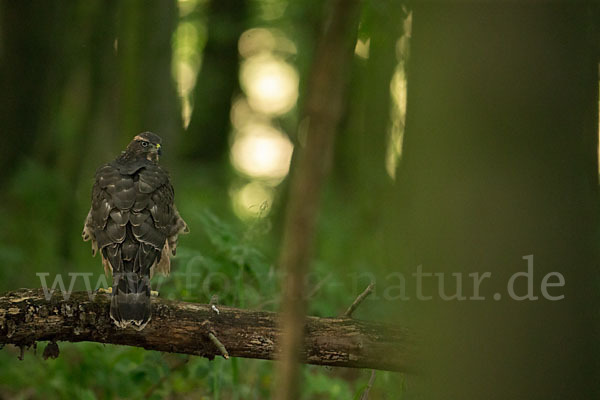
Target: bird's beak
158 149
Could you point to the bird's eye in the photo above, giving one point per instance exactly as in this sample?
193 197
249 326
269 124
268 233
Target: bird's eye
144 144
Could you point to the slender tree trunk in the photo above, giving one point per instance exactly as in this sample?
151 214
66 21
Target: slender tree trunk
32 72
207 135
147 95
76 162
361 152
360 156
500 162
323 109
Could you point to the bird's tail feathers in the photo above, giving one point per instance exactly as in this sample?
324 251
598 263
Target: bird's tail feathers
130 303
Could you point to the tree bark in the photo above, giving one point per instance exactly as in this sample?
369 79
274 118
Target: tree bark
500 163
180 327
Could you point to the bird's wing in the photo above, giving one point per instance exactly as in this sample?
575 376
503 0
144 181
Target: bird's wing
112 195
155 181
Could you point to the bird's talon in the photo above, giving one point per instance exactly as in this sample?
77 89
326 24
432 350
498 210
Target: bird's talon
154 293
105 291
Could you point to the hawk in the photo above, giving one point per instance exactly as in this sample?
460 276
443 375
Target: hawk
134 225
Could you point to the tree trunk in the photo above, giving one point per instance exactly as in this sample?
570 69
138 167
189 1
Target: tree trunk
35 64
361 151
147 96
207 136
500 162
322 113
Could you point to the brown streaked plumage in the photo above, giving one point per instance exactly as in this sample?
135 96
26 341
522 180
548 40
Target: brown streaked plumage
135 225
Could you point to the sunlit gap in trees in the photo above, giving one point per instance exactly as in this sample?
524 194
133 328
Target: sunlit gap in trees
260 151
270 84
362 48
188 41
398 104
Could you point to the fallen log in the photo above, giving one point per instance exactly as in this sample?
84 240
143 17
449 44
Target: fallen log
26 317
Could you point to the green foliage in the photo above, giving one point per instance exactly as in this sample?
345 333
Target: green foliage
228 265
95 371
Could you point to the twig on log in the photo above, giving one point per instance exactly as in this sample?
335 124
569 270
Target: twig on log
219 345
26 317
361 297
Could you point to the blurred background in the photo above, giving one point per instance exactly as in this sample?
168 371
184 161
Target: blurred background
223 83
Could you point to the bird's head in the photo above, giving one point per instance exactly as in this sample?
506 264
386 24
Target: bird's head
145 145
